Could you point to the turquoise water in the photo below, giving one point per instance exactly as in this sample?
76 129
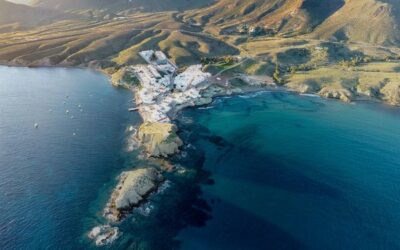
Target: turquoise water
51 179
296 172
265 171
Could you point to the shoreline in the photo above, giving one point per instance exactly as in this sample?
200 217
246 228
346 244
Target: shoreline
356 98
107 233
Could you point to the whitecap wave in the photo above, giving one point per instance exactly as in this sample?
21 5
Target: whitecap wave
207 107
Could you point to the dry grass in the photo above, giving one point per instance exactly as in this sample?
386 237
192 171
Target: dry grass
374 79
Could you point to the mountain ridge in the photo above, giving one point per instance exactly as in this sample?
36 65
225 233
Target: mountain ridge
121 5
369 21
26 16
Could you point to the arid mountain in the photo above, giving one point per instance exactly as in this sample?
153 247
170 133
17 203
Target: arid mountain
120 5
370 21
283 16
16 15
111 32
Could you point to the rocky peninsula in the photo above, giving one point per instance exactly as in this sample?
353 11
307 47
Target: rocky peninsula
160 90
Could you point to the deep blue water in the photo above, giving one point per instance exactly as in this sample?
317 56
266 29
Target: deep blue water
296 172
50 179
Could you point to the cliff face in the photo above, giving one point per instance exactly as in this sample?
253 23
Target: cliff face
159 139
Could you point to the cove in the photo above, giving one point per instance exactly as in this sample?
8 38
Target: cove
296 172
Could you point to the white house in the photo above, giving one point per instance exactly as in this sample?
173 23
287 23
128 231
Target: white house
191 77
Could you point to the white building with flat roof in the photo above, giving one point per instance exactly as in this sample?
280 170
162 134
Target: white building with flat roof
161 57
147 55
191 77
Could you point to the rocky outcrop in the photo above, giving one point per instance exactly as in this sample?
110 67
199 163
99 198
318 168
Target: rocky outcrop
302 88
159 139
370 91
124 78
391 93
133 187
336 93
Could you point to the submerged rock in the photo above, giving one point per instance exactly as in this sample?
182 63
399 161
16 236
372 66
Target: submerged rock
336 93
159 139
133 187
104 235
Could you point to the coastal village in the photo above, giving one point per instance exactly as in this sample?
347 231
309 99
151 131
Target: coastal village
161 90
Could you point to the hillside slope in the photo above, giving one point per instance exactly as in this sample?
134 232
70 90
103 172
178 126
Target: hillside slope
370 21
120 5
284 16
109 43
22 15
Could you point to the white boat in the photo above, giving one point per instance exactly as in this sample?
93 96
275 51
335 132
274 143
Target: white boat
36 125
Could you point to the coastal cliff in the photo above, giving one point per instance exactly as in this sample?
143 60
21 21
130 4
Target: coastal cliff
159 139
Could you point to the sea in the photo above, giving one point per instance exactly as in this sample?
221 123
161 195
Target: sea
266 170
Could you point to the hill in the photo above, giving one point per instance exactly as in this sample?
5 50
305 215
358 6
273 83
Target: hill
17 16
121 5
281 16
369 21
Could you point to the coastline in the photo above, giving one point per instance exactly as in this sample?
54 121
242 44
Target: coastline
107 233
133 223
358 97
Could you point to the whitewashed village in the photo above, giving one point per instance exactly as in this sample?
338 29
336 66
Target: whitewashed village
162 88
